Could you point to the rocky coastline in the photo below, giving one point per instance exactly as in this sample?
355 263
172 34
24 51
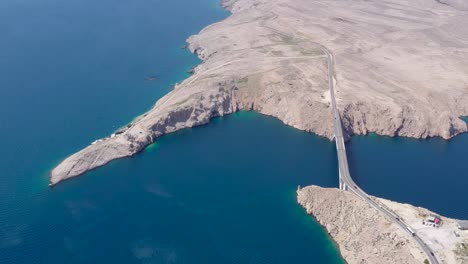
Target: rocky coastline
401 69
266 57
365 235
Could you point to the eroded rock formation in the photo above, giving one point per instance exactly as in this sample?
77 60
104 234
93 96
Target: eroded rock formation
401 70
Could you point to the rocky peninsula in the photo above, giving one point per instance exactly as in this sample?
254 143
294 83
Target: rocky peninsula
401 70
365 235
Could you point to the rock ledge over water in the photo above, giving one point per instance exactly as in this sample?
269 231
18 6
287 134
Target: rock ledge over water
401 70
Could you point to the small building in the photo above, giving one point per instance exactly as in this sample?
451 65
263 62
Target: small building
433 220
463 225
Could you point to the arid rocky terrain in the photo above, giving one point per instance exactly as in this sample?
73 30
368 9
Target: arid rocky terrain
401 70
447 241
365 235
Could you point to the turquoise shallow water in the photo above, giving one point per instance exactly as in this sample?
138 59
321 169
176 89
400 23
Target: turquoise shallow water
222 193
73 71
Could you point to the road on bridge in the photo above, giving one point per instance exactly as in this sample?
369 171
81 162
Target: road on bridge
346 182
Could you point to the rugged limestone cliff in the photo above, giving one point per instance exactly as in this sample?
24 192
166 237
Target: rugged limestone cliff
401 69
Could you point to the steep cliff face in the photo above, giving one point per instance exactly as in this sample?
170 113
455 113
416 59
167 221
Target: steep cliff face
193 111
401 70
363 234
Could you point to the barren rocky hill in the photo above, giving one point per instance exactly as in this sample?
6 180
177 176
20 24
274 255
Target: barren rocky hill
401 70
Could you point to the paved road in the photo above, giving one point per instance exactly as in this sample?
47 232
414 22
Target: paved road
347 183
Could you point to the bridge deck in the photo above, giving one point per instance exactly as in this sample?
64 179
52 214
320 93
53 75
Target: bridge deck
346 182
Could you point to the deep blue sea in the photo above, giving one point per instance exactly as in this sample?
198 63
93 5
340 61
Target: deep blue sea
431 173
74 71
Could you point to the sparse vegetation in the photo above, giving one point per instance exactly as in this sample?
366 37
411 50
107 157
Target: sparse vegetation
311 52
461 250
277 53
